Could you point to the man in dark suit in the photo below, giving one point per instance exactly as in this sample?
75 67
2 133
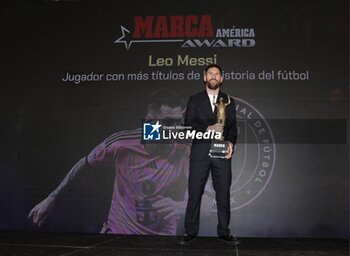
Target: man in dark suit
201 116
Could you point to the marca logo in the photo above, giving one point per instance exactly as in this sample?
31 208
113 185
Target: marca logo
189 31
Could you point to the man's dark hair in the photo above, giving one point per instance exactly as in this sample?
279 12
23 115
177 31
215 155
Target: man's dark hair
213 66
166 97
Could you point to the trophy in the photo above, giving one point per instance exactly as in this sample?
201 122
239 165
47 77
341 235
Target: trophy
219 148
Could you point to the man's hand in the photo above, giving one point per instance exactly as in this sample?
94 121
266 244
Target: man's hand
41 211
216 127
170 207
230 151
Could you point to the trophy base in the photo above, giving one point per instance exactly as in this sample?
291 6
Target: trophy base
218 148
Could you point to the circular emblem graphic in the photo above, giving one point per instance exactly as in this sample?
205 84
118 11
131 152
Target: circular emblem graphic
254 158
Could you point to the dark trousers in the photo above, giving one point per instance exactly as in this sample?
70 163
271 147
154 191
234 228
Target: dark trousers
198 176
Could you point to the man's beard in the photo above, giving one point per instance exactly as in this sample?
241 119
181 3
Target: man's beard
213 86
159 149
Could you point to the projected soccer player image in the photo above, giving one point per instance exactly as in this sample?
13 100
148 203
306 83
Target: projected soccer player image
146 189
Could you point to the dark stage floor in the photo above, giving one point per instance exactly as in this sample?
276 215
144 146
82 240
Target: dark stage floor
15 243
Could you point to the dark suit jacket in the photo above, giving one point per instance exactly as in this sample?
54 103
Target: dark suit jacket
199 116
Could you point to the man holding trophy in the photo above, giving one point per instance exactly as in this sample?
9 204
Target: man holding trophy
210 110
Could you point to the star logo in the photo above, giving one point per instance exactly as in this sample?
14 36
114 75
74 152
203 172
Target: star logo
156 127
125 38
151 131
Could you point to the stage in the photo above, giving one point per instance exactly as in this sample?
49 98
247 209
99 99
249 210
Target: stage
64 244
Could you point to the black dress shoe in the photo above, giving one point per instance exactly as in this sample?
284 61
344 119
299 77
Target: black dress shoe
229 240
187 239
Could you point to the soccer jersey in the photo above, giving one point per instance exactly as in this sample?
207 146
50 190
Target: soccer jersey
141 179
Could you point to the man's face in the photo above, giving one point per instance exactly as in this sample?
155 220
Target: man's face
167 112
213 78
168 116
